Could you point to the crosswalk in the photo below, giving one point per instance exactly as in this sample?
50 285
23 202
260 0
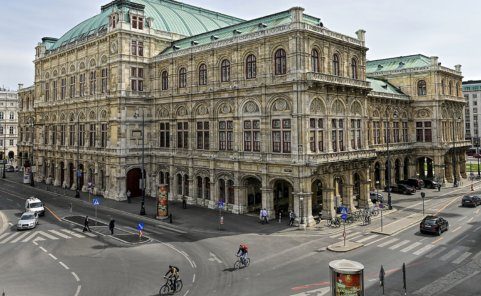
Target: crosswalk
41 235
456 255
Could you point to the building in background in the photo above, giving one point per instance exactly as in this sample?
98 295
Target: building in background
8 125
472 95
277 112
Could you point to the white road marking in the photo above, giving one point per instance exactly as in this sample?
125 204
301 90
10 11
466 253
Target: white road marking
85 233
456 229
477 228
4 235
19 237
51 255
35 243
399 245
470 219
459 240
462 257
461 219
367 238
193 279
373 242
436 252
213 258
407 249
388 242
449 254
43 249
59 234
76 276
340 234
72 233
10 223
39 233
476 212
9 237
64 266
318 292
78 290
424 249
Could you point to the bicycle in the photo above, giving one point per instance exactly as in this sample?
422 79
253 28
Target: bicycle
334 222
168 287
242 263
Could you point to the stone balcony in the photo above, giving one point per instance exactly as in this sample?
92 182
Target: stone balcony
341 156
337 80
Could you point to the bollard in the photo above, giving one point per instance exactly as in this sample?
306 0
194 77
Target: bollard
70 207
280 217
170 218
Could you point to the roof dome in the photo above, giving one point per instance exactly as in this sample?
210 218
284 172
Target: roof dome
168 15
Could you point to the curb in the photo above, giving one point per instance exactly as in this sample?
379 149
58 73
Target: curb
4 222
340 248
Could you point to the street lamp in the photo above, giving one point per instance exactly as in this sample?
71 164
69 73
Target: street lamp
4 158
142 204
454 152
388 134
301 205
32 125
77 191
477 154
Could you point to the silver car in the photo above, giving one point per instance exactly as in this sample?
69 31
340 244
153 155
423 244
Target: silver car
28 221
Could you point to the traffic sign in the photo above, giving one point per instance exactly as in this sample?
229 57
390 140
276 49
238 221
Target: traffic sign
381 205
96 201
344 217
343 210
140 226
220 204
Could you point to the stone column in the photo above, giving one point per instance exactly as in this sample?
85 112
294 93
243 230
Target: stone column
462 164
240 206
268 201
448 173
328 209
382 175
365 200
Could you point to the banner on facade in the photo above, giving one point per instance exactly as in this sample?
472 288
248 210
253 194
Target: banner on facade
162 202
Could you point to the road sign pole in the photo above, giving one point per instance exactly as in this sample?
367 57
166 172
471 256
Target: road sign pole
344 233
382 206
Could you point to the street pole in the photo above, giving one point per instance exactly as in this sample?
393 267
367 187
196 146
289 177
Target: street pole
388 133
32 181
382 207
301 199
477 154
4 142
422 196
142 203
454 154
77 192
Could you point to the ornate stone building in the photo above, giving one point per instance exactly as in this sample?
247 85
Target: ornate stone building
8 124
275 112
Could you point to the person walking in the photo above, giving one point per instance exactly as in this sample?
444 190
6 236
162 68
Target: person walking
292 216
264 216
86 224
112 226
128 196
184 202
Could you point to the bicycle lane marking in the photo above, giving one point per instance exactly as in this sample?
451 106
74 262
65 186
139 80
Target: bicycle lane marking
186 256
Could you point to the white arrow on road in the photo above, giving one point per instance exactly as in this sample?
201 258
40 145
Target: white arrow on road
316 292
213 258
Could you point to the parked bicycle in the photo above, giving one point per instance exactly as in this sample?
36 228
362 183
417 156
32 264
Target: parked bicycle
334 222
168 287
241 263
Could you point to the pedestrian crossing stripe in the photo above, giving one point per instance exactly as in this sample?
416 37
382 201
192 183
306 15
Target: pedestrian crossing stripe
409 248
388 242
39 235
394 247
424 249
367 238
462 258
436 252
449 255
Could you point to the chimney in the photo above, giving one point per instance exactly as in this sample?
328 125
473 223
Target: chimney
434 61
20 86
297 14
361 35
457 67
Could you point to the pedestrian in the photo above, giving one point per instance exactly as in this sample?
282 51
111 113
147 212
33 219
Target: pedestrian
112 226
128 196
86 224
439 187
292 216
264 216
184 202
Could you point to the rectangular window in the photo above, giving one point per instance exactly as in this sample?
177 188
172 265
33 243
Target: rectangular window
203 135
63 88
45 135
103 135
423 131
81 139
72 136
225 135
62 135
356 134
47 92
377 132
93 82
281 135
405 132
164 135
54 135
82 84
337 135
54 90
475 110
182 135
316 134
395 127
72 87
137 48
252 135
92 128
137 79
104 80
387 132
11 142
137 22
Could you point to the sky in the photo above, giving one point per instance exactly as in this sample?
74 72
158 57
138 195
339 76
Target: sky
448 29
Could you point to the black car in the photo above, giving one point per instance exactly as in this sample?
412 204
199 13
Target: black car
431 184
401 188
376 197
434 224
471 201
413 182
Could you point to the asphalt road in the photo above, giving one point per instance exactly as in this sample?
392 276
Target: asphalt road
284 263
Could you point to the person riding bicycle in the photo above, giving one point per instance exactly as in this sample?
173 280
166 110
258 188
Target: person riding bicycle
173 276
242 252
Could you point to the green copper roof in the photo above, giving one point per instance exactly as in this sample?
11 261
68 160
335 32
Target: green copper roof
168 15
472 85
245 27
398 63
382 86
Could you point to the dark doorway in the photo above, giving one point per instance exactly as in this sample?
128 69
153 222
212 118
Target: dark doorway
11 155
70 174
316 189
254 194
133 182
282 194
81 176
62 173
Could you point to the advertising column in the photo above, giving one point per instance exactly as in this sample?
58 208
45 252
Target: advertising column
162 202
347 278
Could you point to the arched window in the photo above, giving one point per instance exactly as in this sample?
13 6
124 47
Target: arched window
202 74
422 88
225 71
165 80
251 67
280 62
353 69
315 60
450 88
182 77
457 89
443 87
335 65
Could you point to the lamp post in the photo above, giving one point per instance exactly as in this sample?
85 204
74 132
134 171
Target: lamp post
4 158
32 181
142 204
77 173
454 153
477 154
301 205
388 134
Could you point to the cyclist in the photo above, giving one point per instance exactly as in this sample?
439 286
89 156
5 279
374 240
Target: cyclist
242 252
173 276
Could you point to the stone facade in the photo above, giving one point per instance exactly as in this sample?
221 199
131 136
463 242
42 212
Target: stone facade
281 117
8 125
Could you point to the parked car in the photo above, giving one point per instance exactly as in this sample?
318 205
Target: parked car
431 184
376 197
413 182
9 168
471 201
33 204
401 188
28 220
434 224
